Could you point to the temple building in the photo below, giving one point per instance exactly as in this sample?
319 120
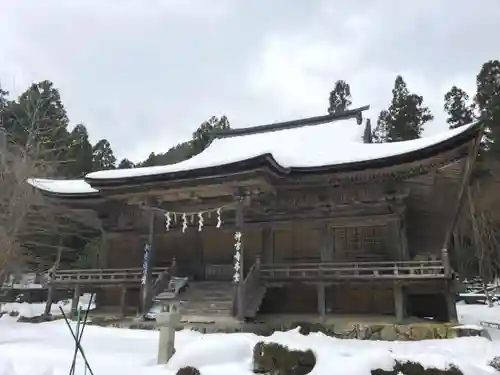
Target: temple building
299 217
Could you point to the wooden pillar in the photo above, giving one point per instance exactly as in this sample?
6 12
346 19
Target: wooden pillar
75 300
451 302
200 273
446 262
321 300
103 251
267 245
146 288
399 302
123 300
50 294
403 240
240 223
326 251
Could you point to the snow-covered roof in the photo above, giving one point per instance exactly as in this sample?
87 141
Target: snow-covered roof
70 187
333 144
305 147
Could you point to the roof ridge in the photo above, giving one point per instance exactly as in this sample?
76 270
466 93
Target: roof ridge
293 124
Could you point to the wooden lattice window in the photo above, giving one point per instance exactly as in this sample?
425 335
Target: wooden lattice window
360 242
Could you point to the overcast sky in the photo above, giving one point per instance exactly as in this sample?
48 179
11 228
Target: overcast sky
145 74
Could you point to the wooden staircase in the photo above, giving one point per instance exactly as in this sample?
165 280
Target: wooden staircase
207 298
253 301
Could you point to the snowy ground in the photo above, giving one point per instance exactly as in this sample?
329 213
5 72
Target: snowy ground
29 310
47 349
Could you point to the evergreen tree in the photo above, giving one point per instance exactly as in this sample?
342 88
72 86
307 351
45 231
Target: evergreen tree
3 97
38 119
458 108
488 103
125 164
4 101
203 135
340 97
405 118
79 152
367 133
174 154
102 156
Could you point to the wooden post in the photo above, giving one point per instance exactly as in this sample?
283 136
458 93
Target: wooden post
240 222
75 300
399 302
462 192
123 301
173 267
326 251
103 251
321 300
267 245
446 262
146 289
50 294
403 239
451 302
257 263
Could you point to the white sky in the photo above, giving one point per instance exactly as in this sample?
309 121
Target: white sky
145 74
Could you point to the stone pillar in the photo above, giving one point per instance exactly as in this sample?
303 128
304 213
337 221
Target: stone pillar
399 302
321 300
169 321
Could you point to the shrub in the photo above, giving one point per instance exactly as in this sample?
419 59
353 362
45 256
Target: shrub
277 359
414 368
188 370
495 363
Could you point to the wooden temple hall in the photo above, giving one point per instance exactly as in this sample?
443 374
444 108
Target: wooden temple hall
301 217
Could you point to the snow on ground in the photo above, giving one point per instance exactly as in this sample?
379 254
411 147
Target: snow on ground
47 349
475 314
29 310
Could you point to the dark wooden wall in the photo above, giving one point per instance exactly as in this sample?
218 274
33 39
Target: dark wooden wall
429 213
297 243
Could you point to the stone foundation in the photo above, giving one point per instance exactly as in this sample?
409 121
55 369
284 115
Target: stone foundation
360 331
